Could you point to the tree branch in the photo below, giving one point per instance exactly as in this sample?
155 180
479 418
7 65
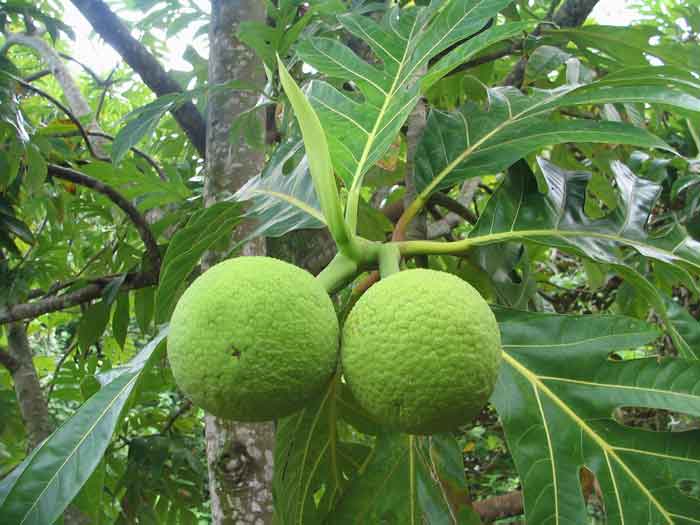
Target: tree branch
452 205
499 507
36 76
56 66
134 215
8 361
85 294
572 14
86 68
117 35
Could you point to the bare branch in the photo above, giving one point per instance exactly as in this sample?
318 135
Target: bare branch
116 34
454 206
182 409
117 198
515 47
83 295
86 68
8 361
38 75
499 507
107 84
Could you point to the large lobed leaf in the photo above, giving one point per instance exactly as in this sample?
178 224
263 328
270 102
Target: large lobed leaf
556 217
361 128
559 418
473 140
42 486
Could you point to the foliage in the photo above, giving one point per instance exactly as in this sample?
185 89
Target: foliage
571 202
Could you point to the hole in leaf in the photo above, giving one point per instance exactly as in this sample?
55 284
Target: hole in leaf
352 91
655 420
689 487
590 488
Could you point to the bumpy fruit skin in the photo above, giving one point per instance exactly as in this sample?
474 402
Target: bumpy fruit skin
421 351
253 338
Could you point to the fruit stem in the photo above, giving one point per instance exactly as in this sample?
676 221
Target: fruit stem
338 273
389 257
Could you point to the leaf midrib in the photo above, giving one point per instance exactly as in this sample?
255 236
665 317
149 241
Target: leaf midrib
610 451
128 385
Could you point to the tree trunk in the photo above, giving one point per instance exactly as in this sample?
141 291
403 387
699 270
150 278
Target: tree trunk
239 456
32 404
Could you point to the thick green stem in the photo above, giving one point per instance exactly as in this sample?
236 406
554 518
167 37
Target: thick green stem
408 248
338 273
389 257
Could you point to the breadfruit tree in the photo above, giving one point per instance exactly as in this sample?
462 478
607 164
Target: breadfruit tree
493 211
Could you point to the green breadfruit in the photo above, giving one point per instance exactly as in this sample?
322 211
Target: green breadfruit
253 338
421 351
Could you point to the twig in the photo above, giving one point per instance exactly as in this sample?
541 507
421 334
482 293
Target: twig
134 215
184 407
57 287
68 112
87 69
145 156
107 85
73 346
36 76
515 47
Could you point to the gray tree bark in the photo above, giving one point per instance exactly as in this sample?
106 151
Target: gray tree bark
32 404
239 456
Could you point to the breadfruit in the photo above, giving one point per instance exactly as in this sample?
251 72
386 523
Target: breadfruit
253 338
421 351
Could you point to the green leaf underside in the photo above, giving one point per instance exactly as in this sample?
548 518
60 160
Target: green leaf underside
360 131
473 141
305 461
283 201
42 486
408 480
559 418
402 479
518 210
